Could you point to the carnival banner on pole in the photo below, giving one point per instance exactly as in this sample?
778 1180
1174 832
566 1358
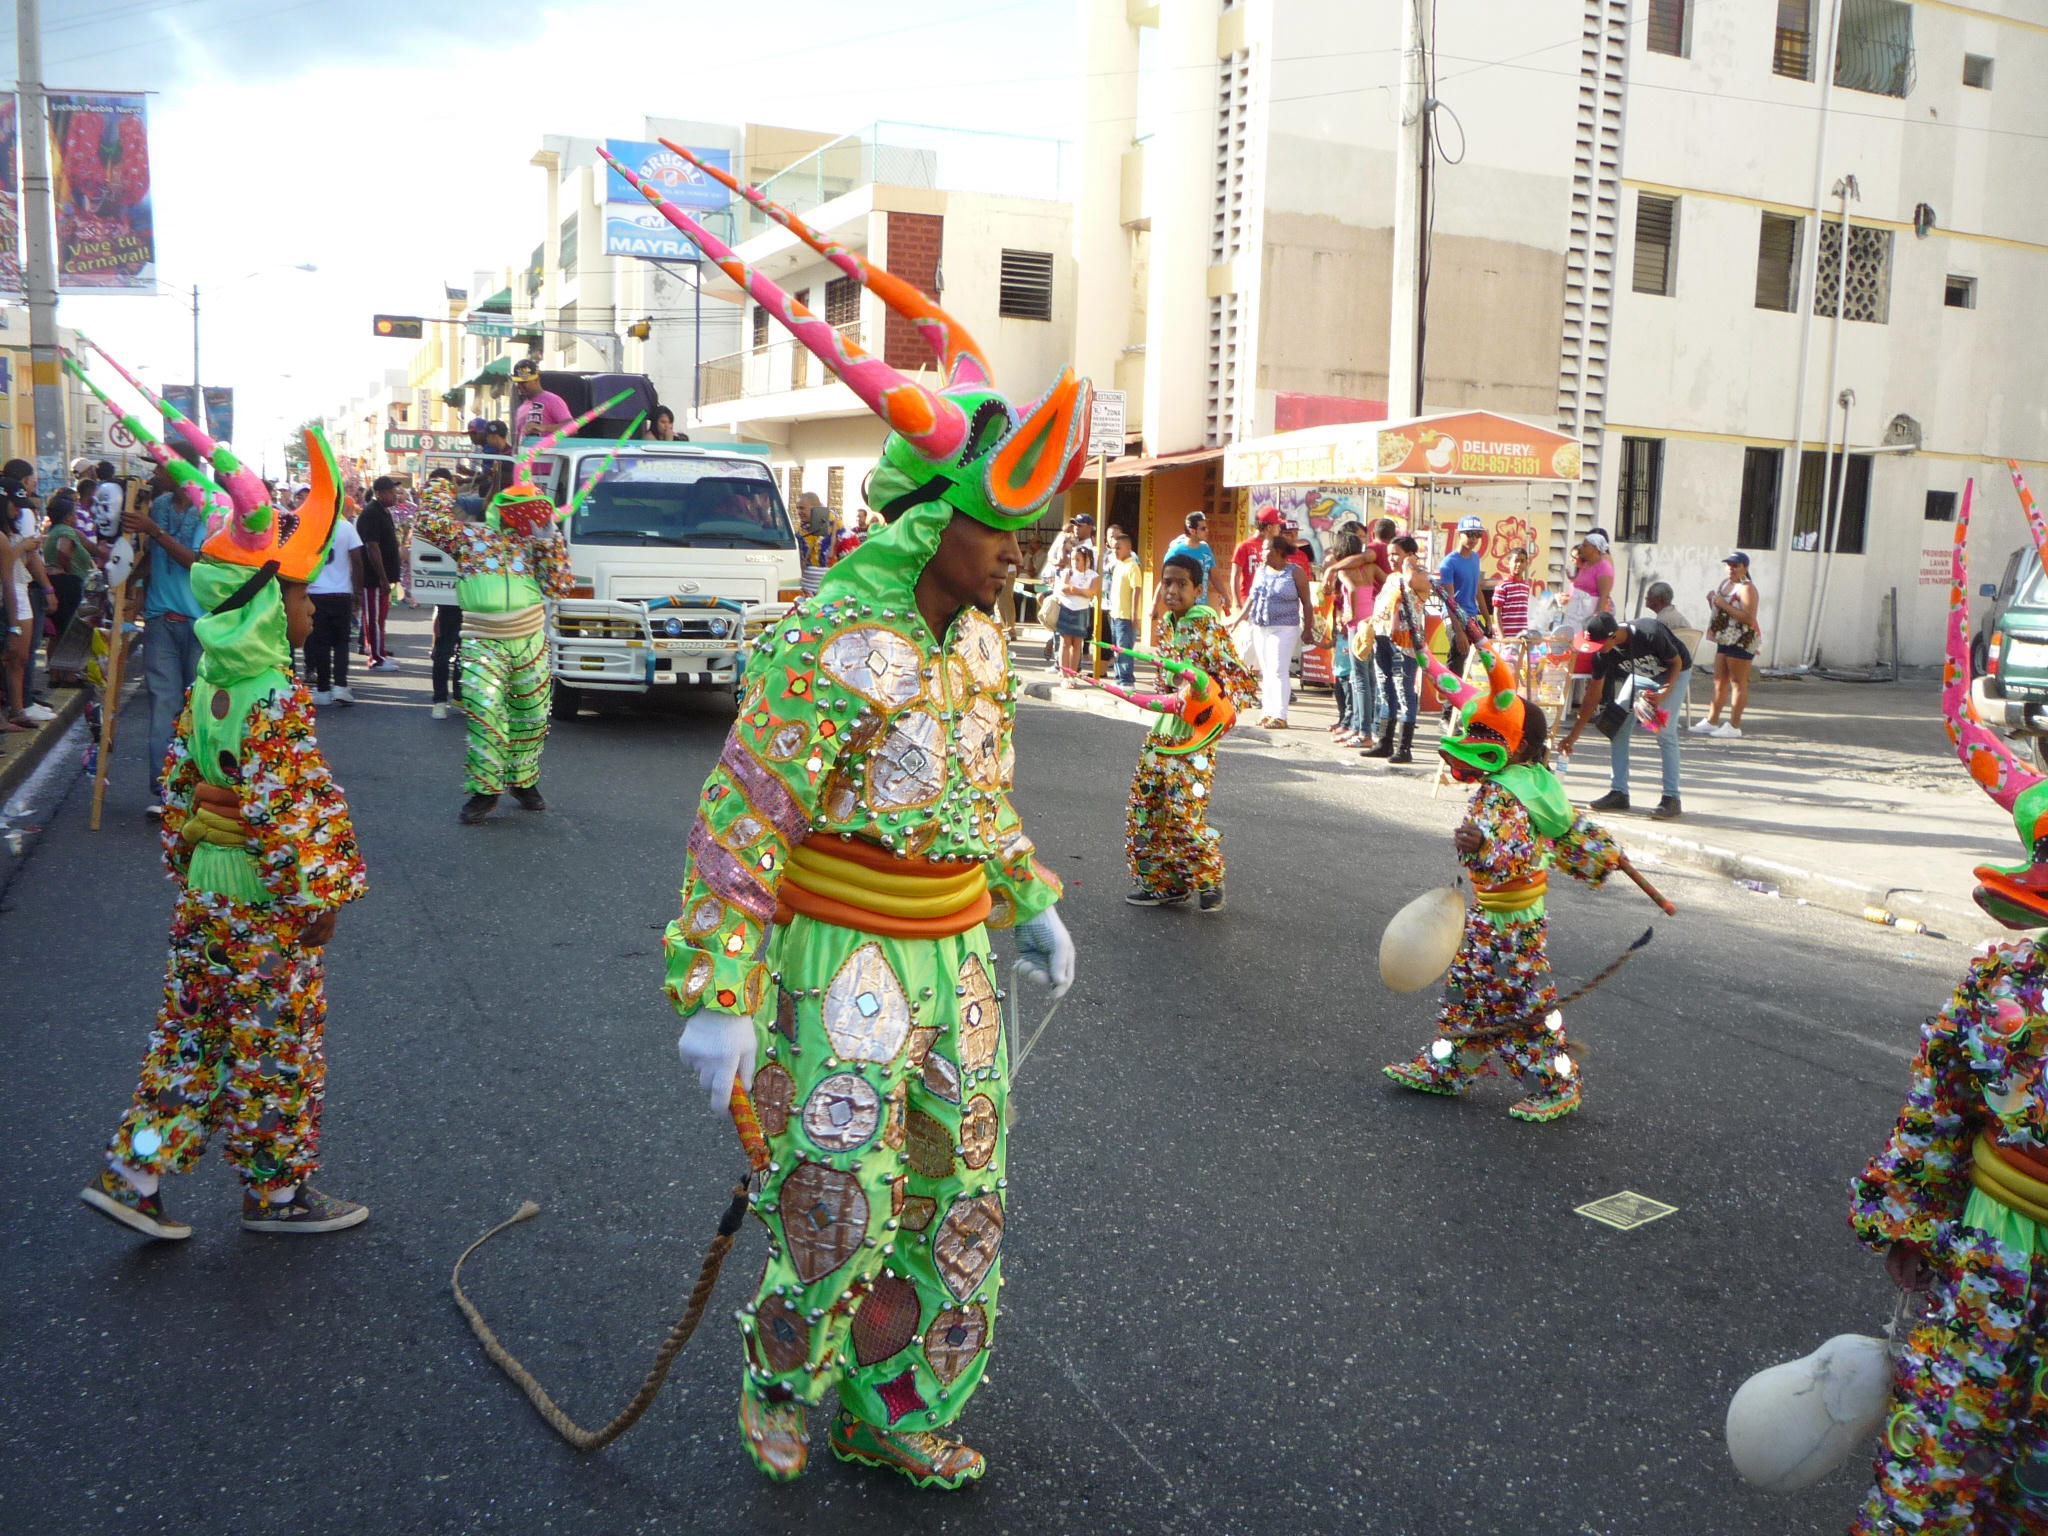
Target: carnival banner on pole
13 284
99 154
220 407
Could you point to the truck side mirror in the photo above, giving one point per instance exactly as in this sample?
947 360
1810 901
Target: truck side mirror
1989 589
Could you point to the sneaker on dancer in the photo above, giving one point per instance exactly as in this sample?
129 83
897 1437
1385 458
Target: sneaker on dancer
120 1201
929 1460
439 712
306 1212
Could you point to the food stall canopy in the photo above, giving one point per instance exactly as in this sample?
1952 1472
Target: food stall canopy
1449 447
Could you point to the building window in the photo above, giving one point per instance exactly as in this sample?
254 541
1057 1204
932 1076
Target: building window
1868 294
835 488
1756 527
1667 26
1941 506
1777 261
796 483
1792 56
536 273
1875 50
842 301
1814 492
1959 292
760 327
1977 71
1026 285
565 248
1656 222
1642 487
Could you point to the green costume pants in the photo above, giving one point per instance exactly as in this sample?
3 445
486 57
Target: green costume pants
506 688
881 1088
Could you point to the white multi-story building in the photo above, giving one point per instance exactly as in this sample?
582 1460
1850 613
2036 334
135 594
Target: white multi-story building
1631 204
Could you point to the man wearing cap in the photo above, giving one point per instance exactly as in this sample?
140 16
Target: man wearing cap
1655 661
1459 574
540 410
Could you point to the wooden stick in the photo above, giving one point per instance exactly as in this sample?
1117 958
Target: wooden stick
110 698
1648 889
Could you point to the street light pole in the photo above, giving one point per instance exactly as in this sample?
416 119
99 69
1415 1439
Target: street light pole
41 273
198 389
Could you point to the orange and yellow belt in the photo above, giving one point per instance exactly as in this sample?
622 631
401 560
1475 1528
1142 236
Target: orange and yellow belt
1513 895
2014 1179
216 817
854 884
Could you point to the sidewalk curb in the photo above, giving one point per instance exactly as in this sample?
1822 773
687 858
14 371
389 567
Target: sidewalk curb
16 772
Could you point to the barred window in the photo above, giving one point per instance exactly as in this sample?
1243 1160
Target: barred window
1792 54
1814 494
1642 490
1777 261
1756 526
1026 292
1868 295
760 326
842 301
1656 222
1667 26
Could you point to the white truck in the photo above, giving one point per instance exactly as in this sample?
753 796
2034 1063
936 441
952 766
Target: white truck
679 557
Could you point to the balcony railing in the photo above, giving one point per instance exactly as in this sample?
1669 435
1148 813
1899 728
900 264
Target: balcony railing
774 369
919 155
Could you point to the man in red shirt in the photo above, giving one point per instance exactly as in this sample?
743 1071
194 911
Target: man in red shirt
540 410
1245 559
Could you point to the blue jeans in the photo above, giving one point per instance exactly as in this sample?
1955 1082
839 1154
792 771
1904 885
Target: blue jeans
1340 681
170 661
1395 674
1124 632
1667 740
1364 706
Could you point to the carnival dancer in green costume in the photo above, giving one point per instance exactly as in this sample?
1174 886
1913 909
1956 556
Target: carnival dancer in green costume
505 568
257 834
1499 1003
851 850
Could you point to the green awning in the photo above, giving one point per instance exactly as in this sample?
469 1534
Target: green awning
499 303
496 368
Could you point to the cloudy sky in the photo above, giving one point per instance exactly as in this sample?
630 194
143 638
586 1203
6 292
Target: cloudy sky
387 141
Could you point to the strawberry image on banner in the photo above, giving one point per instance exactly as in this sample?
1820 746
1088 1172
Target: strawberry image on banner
99 149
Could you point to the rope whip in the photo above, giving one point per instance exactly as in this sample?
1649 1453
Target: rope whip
700 1298
1487 1034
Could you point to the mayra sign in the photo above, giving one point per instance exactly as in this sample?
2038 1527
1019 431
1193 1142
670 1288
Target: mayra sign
631 226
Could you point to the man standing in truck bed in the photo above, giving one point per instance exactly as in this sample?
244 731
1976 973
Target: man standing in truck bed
540 410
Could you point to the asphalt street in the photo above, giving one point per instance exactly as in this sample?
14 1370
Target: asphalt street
1252 1286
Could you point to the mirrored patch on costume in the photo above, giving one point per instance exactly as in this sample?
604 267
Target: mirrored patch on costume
783 1335
921 1039
908 771
842 1112
867 1016
773 1092
931 1146
824 1218
981 1021
785 1014
886 1321
942 1078
892 1120
978 739
918 1211
966 1244
955 1337
979 643
789 739
979 1124
880 665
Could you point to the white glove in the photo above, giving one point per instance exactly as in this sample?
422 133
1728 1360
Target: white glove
1046 952
718 1047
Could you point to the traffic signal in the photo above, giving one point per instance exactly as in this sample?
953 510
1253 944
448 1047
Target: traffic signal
401 327
639 330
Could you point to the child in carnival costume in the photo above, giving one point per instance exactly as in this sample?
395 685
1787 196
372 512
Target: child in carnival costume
506 568
851 851
1520 824
257 834
1173 850
1957 1202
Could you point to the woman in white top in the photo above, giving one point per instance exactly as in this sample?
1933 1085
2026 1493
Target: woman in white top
1077 585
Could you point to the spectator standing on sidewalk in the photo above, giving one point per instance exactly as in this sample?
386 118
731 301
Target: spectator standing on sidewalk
1640 664
68 557
1126 579
378 529
1193 541
1397 629
1279 606
171 531
1511 598
1076 585
27 581
1250 553
336 591
1733 629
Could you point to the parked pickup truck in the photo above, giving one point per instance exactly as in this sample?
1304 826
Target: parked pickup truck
679 557
2009 655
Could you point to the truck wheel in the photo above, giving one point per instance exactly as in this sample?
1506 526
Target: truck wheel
565 702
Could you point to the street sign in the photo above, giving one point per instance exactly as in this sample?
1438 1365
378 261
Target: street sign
427 442
120 436
403 327
1106 425
488 325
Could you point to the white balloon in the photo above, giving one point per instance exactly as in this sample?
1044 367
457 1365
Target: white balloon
1790 1426
1421 940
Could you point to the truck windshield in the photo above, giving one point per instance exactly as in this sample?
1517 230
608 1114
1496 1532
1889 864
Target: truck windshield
689 503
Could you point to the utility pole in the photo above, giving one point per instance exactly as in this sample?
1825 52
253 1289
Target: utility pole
37 221
198 389
1411 155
